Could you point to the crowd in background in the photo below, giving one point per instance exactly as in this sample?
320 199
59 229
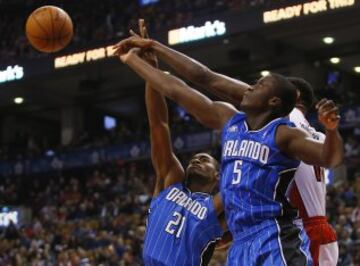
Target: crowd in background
79 218
97 216
111 19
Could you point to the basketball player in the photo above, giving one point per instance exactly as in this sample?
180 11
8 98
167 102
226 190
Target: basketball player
183 216
308 191
260 152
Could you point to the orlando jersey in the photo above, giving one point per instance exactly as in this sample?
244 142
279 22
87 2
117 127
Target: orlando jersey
181 228
255 176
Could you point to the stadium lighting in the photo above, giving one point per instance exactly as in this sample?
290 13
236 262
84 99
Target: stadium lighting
265 73
328 40
357 69
335 60
18 100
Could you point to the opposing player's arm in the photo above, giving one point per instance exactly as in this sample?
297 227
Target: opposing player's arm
209 113
226 88
296 143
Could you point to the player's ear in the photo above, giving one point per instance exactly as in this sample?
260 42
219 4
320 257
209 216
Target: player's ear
217 175
275 102
298 94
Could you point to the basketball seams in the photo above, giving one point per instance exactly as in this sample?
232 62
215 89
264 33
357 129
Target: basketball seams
40 26
64 15
52 30
67 37
48 39
49 36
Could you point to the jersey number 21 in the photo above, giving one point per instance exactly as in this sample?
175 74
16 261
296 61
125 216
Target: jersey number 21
175 225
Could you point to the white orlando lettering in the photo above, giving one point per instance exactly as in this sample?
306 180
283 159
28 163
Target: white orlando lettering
248 148
181 198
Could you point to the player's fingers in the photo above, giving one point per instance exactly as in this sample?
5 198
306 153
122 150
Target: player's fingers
120 50
320 103
326 105
121 43
326 109
141 27
146 34
133 33
333 111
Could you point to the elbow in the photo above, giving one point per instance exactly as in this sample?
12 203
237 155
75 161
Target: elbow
202 77
332 164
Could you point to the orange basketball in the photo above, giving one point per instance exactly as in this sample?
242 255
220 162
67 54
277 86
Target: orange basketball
49 29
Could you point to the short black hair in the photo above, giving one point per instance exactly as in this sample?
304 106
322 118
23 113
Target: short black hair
307 96
286 91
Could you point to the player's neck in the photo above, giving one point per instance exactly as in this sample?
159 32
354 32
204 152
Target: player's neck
194 187
257 121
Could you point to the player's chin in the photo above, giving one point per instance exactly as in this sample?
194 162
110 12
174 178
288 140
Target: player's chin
193 168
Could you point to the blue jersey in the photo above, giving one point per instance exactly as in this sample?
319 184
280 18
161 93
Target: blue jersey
181 226
255 176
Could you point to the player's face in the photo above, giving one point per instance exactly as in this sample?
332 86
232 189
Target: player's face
202 168
258 95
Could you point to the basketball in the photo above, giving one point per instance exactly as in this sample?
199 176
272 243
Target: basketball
49 29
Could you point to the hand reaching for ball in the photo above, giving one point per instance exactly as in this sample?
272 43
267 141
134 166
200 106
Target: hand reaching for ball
328 114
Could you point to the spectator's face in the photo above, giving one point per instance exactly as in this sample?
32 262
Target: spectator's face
342 220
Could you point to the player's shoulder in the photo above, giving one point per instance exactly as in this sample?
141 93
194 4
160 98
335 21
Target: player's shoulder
237 117
167 192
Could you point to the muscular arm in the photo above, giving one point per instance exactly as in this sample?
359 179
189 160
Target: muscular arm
226 88
297 144
209 113
167 167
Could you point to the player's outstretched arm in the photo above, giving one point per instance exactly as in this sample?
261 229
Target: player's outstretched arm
209 113
167 167
297 144
226 88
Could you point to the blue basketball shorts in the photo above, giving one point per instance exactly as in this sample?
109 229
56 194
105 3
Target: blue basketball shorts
282 243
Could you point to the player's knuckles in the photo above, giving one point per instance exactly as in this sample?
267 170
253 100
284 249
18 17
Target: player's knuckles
321 102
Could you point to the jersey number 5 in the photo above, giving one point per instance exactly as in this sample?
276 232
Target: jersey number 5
237 172
175 225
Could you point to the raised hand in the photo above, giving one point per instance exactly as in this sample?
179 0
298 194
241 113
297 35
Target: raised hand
149 56
134 41
328 114
124 57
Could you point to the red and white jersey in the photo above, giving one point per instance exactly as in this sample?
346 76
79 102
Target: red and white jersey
308 191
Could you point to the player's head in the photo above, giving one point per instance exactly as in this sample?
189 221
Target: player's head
202 173
273 93
305 93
